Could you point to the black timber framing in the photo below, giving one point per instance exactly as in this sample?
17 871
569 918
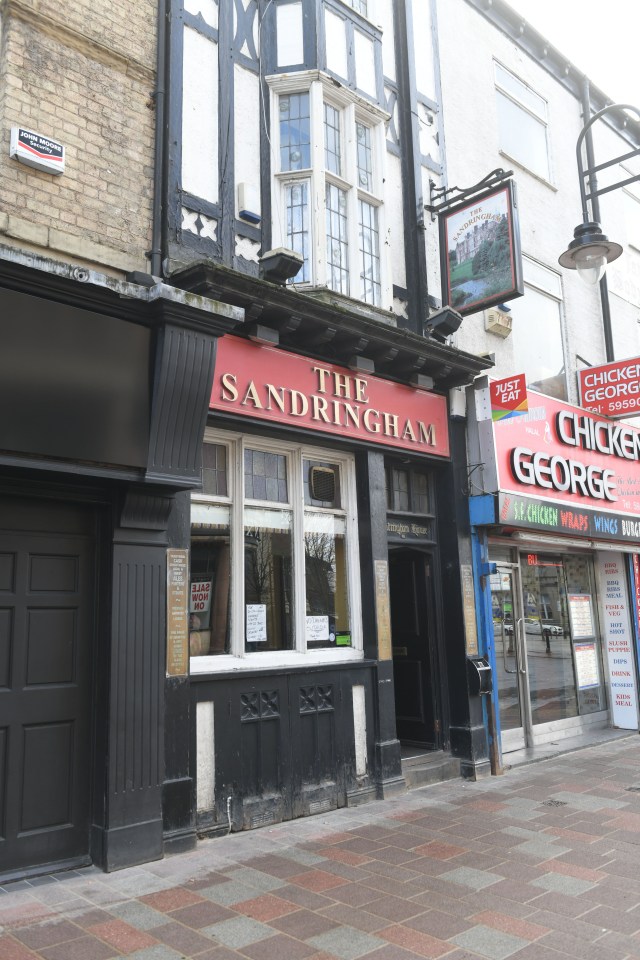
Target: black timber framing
334 330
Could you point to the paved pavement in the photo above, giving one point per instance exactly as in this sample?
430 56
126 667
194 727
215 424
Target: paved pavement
540 864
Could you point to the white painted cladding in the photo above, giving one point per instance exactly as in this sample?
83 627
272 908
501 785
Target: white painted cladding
360 730
205 757
365 63
290 40
247 130
336 43
200 116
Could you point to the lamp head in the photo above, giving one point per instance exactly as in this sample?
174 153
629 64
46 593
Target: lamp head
589 252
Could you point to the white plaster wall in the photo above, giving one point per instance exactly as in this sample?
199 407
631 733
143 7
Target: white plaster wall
385 17
290 47
336 40
394 218
365 63
247 129
423 48
200 116
548 211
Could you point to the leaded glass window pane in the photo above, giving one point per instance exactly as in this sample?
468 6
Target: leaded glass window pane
295 132
337 239
298 233
332 146
364 157
214 469
265 476
369 253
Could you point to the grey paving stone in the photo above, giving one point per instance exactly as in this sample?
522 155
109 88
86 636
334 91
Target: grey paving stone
541 849
347 943
239 932
263 882
489 943
586 801
159 952
229 893
304 857
139 915
560 883
470 877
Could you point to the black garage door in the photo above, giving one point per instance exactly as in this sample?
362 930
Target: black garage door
47 571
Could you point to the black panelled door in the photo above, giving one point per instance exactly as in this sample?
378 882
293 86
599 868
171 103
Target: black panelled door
47 570
410 585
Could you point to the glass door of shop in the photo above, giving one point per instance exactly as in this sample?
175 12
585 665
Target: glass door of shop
511 659
548 652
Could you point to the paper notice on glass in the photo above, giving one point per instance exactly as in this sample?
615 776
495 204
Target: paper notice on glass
581 616
317 629
587 665
256 623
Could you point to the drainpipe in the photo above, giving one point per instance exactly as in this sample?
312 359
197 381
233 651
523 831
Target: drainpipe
159 94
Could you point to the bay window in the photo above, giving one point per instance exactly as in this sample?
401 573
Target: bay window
274 569
327 191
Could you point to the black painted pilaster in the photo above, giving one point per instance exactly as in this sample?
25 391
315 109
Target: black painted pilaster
132 831
178 789
372 514
467 732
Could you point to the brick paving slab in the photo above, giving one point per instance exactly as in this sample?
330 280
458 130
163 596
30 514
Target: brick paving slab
458 870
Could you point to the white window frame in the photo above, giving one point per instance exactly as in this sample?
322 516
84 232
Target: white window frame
542 116
353 109
548 283
238 658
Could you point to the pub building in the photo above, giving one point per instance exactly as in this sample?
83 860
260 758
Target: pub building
322 543
556 530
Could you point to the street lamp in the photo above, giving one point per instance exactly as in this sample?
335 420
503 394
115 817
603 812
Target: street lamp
590 250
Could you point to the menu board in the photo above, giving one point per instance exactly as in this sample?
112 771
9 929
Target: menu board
383 609
618 639
177 619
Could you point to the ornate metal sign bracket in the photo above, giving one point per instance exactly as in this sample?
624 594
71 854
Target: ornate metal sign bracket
443 194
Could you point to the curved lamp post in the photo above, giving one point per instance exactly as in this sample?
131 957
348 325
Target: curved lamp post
590 250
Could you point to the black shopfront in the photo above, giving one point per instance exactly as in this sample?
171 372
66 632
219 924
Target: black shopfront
103 390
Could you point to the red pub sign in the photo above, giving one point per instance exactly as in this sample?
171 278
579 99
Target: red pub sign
266 383
563 469
612 390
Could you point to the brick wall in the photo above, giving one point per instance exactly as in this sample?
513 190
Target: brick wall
82 73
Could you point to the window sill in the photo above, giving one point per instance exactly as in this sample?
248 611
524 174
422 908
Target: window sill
266 661
521 166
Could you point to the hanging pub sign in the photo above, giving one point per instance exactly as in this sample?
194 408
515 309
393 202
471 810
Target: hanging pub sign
612 390
480 258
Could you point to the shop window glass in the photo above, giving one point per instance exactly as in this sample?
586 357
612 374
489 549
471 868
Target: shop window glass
268 584
327 606
209 599
282 558
408 491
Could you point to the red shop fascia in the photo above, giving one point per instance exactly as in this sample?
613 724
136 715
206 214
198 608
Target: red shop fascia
564 470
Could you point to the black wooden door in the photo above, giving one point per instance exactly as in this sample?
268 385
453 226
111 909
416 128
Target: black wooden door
411 632
47 567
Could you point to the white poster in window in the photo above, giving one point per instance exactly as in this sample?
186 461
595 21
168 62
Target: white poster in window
317 629
618 640
587 665
256 623
581 614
